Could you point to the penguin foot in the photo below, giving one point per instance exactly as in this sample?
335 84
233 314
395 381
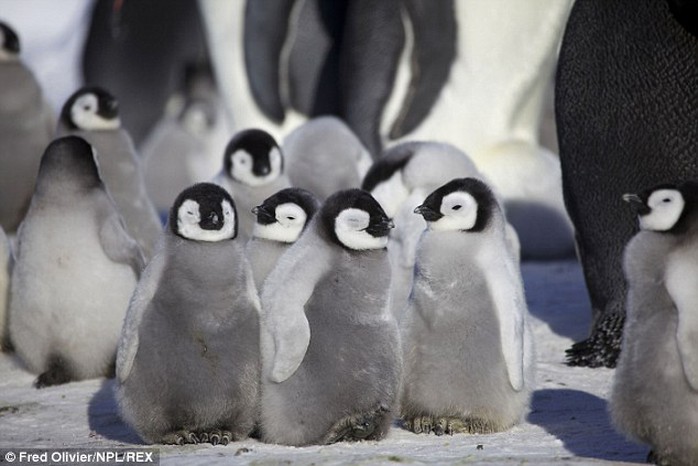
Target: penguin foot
56 374
222 437
180 437
602 348
448 425
419 424
362 426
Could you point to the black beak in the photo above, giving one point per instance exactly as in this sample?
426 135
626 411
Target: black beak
211 222
428 213
636 203
261 167
264 217
381 228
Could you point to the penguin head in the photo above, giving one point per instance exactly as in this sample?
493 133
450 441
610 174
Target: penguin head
462 204
204 212
253 157
9 43
90 109
355 220
283 216
72 160
664 208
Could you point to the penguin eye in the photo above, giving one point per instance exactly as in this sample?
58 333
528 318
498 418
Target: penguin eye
291 218
666 200
457 207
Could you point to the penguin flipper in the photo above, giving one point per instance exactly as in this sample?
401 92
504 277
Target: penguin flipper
286 290
680 282
506 290
142 296
118 245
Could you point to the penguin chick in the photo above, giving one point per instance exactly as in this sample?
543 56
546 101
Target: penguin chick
5 270
253 170
281 219
93 114
400 180
654 398
188 365
330 346
75 270
26 128
467 348
323 155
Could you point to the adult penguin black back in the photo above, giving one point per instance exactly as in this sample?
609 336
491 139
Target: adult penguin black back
626 108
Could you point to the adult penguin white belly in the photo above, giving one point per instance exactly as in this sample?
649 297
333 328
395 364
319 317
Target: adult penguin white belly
627 107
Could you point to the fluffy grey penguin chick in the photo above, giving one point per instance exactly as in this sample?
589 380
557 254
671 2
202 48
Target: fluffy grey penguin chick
26 127
330 346
281 219
467 348
323 156
188 365
655 390
93 114
75 270
5 271
400 180
253 170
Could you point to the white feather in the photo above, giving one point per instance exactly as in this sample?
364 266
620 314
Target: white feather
666 207
84 115
350 227
290 220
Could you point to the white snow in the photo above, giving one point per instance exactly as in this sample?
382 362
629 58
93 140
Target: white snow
568 422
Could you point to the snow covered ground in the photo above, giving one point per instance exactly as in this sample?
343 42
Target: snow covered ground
568 422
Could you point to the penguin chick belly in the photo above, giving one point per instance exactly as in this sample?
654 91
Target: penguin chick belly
352 365
197 365
454 365
69 299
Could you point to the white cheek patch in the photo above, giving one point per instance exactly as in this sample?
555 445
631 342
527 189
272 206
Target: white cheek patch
242 168
188 218
290 220
459 210
350 226
666 207
84 115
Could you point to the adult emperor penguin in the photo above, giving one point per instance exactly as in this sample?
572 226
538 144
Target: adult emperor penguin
324 156
188 365
400 180
93 113
655 390
253 170
281 219
467 348
74 273
26 127
613 55
5 271
330 346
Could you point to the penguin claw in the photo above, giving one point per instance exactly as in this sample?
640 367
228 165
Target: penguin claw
226 437
203 437
357 427
180 437
214 437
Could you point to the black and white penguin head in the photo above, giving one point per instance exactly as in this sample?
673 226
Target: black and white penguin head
283 216
9 43
462 204
91 109
663 208
355 220
69 160
204 212
253 157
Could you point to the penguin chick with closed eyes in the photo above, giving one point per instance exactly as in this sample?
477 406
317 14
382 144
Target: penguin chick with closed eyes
93 113
467 348
281 219
330 345
75 270
253 170
654 398
188 365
